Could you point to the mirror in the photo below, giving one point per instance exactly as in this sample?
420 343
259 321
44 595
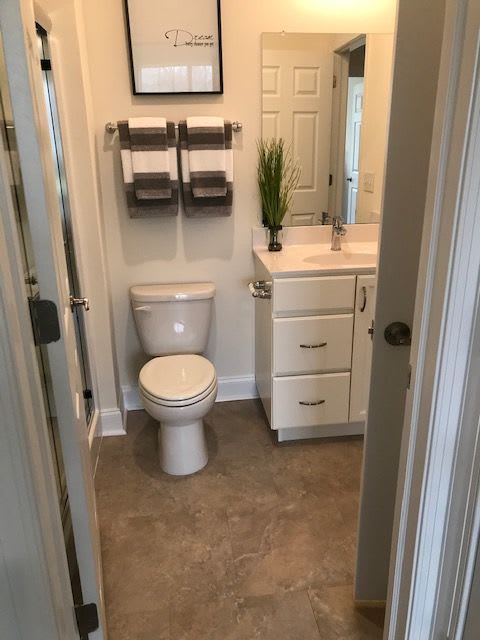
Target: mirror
328 97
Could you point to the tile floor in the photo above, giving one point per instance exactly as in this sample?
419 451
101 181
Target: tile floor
259 544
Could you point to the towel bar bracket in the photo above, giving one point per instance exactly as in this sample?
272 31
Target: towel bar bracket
111 127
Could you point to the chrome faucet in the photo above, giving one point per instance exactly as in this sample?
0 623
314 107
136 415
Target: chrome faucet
338 230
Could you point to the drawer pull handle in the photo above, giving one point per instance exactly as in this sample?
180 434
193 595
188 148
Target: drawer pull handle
313 346
364 303
311 404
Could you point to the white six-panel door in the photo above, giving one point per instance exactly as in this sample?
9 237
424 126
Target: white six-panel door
297 106
352 145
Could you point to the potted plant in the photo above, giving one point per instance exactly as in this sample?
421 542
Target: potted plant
278 176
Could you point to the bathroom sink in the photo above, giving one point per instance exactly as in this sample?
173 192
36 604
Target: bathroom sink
300 259
342 258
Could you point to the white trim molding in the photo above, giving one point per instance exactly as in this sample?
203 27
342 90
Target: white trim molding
236 388
229 388
112 423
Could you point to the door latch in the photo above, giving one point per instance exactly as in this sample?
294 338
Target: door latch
79 302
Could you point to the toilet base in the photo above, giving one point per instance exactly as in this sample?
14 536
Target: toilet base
182 448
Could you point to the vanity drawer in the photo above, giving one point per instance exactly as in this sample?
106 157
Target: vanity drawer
331 391
328 294
312 344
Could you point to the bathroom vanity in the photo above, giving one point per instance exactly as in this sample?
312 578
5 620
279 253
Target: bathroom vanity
313 311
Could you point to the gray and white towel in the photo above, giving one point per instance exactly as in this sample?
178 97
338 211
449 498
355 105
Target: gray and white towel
153 194
150 158
207 166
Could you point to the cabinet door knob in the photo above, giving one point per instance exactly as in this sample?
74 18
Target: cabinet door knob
313 346
311 404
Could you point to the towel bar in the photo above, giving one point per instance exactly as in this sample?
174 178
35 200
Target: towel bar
111 127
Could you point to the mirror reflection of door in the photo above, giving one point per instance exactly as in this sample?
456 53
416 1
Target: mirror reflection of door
327 96
353 130
297 106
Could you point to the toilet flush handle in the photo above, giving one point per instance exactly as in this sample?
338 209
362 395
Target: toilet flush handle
145 308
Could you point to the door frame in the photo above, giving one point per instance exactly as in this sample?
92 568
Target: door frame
33 143
68 50
33 562
437 516
339 122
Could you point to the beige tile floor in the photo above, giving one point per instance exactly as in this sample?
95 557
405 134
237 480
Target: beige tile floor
259 544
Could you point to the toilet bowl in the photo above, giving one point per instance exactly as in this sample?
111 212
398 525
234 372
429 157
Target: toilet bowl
179 391
178 386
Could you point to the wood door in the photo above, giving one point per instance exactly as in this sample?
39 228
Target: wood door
34 148
297 106
414 91
352 146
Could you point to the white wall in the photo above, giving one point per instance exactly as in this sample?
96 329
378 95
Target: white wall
373 149
140 251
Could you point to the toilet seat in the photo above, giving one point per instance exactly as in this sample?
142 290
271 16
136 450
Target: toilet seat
177 381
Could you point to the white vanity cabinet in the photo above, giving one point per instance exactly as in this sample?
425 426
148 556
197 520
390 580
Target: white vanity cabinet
313 353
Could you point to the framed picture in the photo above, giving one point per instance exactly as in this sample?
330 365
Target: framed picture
175 46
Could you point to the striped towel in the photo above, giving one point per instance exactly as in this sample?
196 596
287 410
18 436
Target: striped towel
207 156
148 207
209 204
150 158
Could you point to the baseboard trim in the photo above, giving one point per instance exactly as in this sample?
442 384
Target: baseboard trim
371 604
323 431
94 428
229 388
236 388
95 439
111 423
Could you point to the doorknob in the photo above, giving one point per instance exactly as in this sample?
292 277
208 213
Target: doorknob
79 302
398 334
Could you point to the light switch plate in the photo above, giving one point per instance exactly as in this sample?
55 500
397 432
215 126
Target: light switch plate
369 182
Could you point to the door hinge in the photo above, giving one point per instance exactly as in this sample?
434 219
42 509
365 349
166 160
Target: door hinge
371 329
87 619
46 327
334 84
330 179
87 394
409 377
46 64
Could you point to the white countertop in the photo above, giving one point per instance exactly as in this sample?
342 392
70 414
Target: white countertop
317 259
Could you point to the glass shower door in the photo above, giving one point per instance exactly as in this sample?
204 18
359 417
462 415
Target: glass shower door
64 206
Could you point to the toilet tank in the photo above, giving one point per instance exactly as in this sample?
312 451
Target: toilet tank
173 318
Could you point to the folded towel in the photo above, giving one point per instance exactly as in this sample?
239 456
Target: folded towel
138 208
150 158
207 156
206 206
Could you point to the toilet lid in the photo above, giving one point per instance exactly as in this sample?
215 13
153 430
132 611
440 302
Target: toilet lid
173 378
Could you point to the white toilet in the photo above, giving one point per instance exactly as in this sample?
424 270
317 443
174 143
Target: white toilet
177 387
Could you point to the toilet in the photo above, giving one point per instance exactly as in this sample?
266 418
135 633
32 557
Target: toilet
178 387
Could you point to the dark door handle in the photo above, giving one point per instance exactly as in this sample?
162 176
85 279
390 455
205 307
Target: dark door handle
349 179
398 334
364 302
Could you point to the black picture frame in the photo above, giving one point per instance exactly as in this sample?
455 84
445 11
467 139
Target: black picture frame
135 92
